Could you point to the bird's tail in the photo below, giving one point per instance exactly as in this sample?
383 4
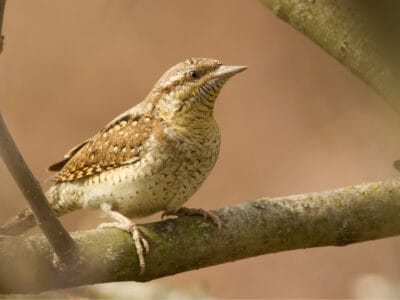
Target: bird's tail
26 220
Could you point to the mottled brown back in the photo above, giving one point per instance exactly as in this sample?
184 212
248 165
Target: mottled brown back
118 144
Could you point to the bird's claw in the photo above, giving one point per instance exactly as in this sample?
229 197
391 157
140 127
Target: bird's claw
184 211
165 214
141 244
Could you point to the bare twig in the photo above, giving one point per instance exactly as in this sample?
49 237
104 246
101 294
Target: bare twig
333 218
62 243
2 5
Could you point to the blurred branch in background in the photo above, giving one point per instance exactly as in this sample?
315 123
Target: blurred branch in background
62 243
333 218
361 34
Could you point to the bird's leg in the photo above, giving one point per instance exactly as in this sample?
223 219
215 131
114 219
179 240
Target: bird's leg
124 223
184 211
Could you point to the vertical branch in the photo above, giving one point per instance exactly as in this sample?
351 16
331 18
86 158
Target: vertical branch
60 240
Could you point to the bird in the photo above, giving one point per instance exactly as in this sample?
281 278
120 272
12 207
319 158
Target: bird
151 158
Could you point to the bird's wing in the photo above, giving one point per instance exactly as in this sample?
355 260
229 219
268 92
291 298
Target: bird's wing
119 143
60 164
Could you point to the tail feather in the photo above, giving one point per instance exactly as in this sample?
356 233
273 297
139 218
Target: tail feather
18 224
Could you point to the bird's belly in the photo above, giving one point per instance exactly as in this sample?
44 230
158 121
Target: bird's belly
134 190
152 185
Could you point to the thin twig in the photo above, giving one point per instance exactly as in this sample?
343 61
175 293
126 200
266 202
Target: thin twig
60 240
2 5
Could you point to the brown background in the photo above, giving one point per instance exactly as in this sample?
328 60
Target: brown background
296 121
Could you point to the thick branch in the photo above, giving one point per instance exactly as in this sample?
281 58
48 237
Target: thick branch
346 33
334 218
62 243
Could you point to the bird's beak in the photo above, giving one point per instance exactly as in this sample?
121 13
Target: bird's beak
224 72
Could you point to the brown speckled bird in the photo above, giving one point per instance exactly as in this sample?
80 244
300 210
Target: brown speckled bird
151 158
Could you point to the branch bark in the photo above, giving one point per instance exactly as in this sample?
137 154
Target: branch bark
344 30
333 218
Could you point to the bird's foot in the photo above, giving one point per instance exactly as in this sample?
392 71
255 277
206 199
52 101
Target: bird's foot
141 244
184 211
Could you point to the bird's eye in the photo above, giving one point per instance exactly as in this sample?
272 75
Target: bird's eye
194 74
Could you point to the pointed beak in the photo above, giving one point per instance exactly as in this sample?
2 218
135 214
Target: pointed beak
225 72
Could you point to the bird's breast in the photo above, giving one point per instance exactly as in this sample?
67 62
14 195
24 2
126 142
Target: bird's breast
193 156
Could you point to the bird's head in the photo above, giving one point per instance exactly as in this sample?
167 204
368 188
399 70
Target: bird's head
188 90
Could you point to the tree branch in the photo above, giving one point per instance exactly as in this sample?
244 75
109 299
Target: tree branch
60 240
334 218
344 30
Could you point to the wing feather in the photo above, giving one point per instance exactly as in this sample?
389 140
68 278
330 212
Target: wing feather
59 165
119 143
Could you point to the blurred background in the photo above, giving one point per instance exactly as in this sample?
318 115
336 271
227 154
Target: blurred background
296 121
